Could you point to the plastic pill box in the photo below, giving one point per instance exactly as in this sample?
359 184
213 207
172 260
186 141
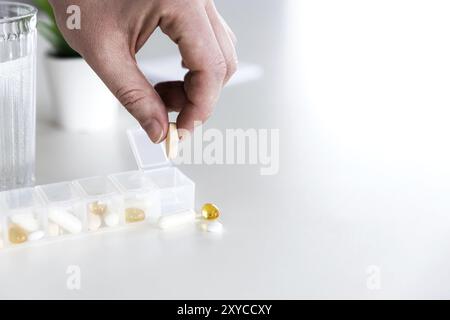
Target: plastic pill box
156 191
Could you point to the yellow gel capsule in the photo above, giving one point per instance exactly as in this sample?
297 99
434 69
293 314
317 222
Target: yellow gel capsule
17 235
134 215
210 212
97 208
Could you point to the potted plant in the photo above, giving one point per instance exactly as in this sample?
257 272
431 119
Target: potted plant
81 101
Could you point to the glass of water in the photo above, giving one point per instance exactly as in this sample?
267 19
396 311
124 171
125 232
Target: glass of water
17 94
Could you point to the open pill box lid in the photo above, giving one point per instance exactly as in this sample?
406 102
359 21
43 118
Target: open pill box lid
147 154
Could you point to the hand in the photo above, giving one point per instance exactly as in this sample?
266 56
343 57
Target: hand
113 31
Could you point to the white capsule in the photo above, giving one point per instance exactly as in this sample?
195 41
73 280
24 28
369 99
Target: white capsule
112 219
65 220
26 221
1 244
53 229
35 236
94 222
176 219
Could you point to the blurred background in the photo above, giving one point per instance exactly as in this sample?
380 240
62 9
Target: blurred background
360 93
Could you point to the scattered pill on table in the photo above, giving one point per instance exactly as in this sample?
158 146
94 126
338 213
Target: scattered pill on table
212 226
176 219
210 212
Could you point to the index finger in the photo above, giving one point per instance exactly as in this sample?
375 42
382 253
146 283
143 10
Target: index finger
201 54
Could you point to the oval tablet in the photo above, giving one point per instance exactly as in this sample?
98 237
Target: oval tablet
112 219
214 227
172 140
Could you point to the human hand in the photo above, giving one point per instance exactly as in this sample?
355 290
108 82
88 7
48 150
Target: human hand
113 31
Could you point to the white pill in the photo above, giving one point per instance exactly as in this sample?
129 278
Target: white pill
112 219
1 244
26 221
35 236
53 229
65 220
94 222
172 141
212 226
176 219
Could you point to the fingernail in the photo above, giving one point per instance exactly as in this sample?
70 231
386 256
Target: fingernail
155 131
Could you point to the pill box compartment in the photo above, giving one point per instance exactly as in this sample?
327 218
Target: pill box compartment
22 218
103 203
176 190
140 197
158 190
66 211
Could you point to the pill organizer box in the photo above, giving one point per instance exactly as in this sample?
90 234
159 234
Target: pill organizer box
155 194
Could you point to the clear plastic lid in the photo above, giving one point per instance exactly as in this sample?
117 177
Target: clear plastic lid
148 155
19 199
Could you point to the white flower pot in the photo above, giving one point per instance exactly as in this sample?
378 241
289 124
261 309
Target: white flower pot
81 101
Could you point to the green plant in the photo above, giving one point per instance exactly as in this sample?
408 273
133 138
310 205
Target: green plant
50 31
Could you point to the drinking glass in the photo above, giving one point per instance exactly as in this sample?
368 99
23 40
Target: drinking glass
17 94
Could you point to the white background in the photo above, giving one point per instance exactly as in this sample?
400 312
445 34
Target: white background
360 93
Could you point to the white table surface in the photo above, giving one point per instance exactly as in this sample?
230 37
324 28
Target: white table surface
360 93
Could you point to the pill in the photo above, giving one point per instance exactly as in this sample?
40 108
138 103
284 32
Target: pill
98 208
210 212
53 229
66 220
94 222
212 226
172 140
17 234
27 221
112 219
37 235
134 215
176 219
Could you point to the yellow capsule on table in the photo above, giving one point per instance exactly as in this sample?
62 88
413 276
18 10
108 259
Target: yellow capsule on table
134 215
17 235
98 208
210 212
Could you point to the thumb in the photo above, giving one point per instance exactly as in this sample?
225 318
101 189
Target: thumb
119 71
